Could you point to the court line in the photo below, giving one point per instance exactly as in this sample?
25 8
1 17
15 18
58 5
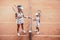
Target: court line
12 35
48 35
41 22
35 35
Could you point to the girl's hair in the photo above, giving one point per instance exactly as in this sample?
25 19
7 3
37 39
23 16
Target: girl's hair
39 12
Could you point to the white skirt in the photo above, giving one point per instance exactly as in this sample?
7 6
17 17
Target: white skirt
37 24
20 21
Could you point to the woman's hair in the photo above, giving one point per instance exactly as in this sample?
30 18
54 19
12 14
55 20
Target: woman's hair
19 5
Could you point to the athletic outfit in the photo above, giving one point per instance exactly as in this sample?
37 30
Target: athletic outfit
20 20
37 23
37 20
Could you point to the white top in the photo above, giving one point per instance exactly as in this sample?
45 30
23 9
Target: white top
37 19
19 15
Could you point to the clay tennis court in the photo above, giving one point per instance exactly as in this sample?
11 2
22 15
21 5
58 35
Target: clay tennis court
50 19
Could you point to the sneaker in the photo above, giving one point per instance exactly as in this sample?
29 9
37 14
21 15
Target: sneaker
38 32
30 31
18 34
24 31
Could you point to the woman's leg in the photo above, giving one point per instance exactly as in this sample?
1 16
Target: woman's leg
18 26
22 26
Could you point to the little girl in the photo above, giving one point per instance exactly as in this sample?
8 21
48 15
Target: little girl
37 19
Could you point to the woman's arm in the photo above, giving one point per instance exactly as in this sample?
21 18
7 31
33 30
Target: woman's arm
16 15
15 12
25 16
14 8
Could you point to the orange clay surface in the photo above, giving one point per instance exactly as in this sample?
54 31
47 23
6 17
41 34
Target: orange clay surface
49 25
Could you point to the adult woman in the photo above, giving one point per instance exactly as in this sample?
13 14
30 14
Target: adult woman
19 18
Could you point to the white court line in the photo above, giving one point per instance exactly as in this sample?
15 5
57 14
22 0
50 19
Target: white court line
35 35
48 35
12 35
41 22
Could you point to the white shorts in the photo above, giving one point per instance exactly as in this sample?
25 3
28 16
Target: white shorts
20 21
37 24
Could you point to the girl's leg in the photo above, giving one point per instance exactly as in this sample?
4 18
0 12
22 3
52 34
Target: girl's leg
37 29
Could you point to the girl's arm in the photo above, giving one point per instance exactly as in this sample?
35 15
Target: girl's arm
34 19
39 20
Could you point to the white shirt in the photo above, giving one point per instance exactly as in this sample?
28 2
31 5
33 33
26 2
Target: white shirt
37 19
19 15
